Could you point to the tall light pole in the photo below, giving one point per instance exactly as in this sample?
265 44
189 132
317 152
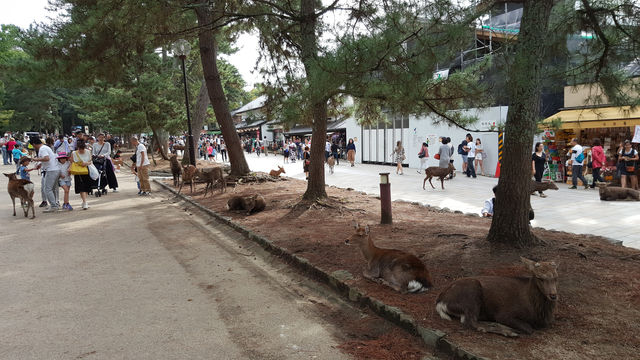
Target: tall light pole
181 49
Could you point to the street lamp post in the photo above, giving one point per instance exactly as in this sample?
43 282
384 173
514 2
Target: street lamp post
181 49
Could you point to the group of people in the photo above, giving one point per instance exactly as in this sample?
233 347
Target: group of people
77 160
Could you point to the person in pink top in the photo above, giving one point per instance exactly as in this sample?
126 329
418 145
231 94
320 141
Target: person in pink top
10 145
597 161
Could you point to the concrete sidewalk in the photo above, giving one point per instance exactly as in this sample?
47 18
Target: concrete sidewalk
575 211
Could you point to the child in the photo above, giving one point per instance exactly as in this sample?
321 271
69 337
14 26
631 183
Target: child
17 154
210 151
24 172
65 179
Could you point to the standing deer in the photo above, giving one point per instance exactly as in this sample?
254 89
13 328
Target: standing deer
212 177
188 176
401 271
331 161
504 305
276 173
436 171
176 169
23 189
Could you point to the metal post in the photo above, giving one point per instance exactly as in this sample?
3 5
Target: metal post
385 199
192 151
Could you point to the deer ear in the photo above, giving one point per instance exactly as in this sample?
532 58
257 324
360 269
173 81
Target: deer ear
554 264
366 229
354 224
530 264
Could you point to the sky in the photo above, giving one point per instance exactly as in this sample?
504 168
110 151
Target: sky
22 13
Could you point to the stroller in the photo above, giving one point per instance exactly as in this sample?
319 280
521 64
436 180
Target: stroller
100 185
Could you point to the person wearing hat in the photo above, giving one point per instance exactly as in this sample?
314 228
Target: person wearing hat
65 178
51 166
24 171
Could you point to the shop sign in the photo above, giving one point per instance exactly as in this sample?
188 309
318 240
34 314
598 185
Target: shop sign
636 135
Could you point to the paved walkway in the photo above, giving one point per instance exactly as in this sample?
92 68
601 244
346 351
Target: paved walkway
575 211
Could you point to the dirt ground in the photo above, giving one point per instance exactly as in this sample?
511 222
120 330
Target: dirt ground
597 316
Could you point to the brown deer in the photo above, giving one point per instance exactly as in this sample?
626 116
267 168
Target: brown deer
612 193
250 203
212 177
397 269
331 161
23 189
188 176
176 169
503 305
436 171
276 173
542 186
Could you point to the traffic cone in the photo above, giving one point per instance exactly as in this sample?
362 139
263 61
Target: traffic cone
497 170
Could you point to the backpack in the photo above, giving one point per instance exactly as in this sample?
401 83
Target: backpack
461 149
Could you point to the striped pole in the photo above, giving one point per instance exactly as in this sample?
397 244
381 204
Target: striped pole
500 146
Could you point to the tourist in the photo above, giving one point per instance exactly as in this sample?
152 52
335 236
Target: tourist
480 156
538 162
3 148
83 183
628 158
398 157
351 152
61 145
306 157
335 151
576 166
327 149
223 150
24 170
285 152
51 167
101 154
470 148
423 155
142 167
65 179
293 152
10 145
444 153
16 154
598 160
463 153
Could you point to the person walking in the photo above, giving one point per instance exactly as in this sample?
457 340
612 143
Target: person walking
16 154
538 160
83 183
598 159
577 159
223 150
480 156
351 152
50 165
335 151
101 154
628 157
463 153
470 148
306 158
65 179
61 145
3 148
285 153
444 153
423 155
10 145
398 157
142 167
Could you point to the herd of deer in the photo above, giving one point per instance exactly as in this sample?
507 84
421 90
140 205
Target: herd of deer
496 304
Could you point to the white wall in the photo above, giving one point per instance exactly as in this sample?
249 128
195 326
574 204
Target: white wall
353 132
421 128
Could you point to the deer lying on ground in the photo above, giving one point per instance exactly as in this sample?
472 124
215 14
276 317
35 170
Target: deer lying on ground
503 305
276 173
176 169
188 176
331 161
542 186
23 189
436 171
610 193
212 177
250 203
397 269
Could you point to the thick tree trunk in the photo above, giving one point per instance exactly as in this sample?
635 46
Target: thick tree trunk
511 212
316 185
208 56
200 111
309 52
160 139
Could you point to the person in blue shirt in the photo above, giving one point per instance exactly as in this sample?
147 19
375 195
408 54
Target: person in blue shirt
17 154
23 170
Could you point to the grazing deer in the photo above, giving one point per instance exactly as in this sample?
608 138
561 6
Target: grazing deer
276 173
176 169
331 161
401 271
188 176
436 171
212 177
23 189
249 203
503 305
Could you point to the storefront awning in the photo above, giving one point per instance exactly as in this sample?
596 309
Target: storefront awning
594 118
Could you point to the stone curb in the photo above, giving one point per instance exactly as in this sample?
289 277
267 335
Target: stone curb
431 337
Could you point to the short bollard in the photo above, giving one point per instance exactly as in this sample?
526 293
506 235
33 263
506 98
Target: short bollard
385 199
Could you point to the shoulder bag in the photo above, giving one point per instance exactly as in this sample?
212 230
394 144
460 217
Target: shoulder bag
76 167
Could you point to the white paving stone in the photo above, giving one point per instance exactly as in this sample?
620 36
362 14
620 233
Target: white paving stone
575 211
